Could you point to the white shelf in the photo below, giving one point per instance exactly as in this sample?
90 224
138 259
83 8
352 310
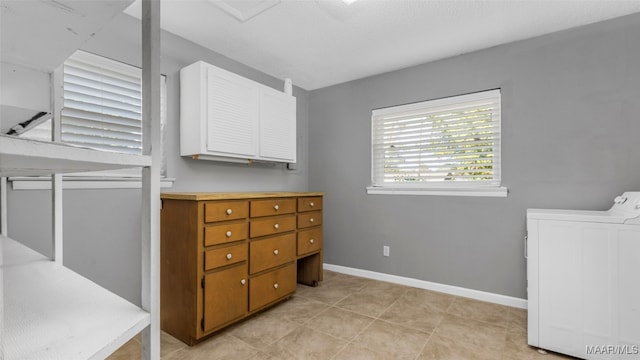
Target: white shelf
24 157
51 312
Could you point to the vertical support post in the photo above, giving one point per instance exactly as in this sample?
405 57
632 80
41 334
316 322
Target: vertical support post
4 227
56 179
151 176
56 196
3 231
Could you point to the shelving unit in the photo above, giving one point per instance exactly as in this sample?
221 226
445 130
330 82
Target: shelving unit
52 312
48 310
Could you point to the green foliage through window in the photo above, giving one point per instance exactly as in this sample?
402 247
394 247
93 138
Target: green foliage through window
434 143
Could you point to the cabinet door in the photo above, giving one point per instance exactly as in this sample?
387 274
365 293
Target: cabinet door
232 114
277 126
225 296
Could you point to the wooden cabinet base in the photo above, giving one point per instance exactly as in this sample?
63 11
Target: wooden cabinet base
227 256
310 269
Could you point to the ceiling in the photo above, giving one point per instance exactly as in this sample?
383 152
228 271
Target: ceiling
35 38
319 43
41 35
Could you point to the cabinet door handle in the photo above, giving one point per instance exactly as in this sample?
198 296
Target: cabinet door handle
311 241
229 256
311 204
275 286
228 233
311 220
229 211
276 226
243 281
276 207
275 252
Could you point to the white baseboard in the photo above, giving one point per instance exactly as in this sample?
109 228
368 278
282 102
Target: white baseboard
421 284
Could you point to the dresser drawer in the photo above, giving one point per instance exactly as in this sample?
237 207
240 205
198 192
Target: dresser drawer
268 253
225 210
309 203
309 219
225 256
272 225
272 286
309 240
272 207
224 233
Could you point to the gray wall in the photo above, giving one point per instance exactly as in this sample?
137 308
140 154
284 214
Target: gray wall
570 127
102 227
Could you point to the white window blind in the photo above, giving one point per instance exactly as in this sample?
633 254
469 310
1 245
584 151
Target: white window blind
102 104
445 143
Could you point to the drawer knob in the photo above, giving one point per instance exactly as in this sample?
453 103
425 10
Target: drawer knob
276 226
276 207
229 256
275 286
229 211
311 220
228 234
311 241
243 281
311 204
275 252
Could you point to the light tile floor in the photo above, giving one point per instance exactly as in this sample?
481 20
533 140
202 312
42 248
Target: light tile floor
348 317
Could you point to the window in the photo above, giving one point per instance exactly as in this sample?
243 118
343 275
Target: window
448 146
102 109
102 104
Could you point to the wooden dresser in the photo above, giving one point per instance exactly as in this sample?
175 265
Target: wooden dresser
225 256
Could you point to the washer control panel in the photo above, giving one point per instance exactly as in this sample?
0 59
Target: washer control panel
627 204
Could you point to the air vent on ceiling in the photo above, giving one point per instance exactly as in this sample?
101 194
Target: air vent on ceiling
244 10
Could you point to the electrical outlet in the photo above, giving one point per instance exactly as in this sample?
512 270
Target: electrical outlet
385 251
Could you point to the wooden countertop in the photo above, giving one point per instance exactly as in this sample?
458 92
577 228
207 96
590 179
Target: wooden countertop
233 195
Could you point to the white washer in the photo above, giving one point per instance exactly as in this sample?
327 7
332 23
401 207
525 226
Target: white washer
583 280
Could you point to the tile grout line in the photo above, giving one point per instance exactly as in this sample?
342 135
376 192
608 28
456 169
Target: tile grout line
356 336
424 346
373 319
353 312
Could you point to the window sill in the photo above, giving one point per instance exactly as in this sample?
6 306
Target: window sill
44 183
478 191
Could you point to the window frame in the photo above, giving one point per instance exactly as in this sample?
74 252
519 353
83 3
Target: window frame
493 187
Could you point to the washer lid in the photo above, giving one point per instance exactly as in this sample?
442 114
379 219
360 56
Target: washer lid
578 215
625 209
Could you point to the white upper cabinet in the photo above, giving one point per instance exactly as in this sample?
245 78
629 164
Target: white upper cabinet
232 114
226 117
277 126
